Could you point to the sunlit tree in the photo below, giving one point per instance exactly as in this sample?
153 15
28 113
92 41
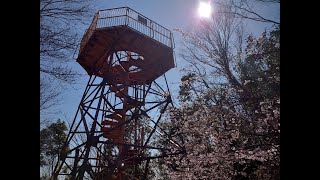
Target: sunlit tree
230 104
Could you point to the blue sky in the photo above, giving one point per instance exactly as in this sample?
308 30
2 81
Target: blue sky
172 14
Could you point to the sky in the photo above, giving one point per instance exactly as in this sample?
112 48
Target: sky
172 14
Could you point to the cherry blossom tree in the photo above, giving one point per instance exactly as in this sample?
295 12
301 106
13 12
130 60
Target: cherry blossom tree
229 118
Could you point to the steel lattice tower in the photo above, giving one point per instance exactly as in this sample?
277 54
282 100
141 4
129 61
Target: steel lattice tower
125 54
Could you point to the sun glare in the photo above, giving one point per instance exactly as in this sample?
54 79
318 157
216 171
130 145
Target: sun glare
204 9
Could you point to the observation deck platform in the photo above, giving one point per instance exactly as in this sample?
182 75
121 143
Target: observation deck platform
123 29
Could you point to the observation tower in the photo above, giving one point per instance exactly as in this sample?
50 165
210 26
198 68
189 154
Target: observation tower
126 56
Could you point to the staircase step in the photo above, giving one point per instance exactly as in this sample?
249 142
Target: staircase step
114 116
109 123
113 136
114 131
122 112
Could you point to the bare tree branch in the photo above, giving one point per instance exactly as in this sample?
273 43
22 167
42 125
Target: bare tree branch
242 9
216 46
59 39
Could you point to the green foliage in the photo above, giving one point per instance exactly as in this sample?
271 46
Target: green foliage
51 140
185 88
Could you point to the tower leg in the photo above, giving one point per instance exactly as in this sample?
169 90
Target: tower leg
108 137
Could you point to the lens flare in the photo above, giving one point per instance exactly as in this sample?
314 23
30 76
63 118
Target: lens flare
204 9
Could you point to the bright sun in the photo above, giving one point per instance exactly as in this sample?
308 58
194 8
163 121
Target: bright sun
204 9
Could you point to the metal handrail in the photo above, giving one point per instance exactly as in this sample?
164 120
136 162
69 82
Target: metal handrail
89 32
125 16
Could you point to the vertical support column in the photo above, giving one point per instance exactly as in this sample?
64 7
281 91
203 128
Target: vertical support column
91 137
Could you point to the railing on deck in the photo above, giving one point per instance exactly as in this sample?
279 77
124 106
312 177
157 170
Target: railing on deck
125 16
